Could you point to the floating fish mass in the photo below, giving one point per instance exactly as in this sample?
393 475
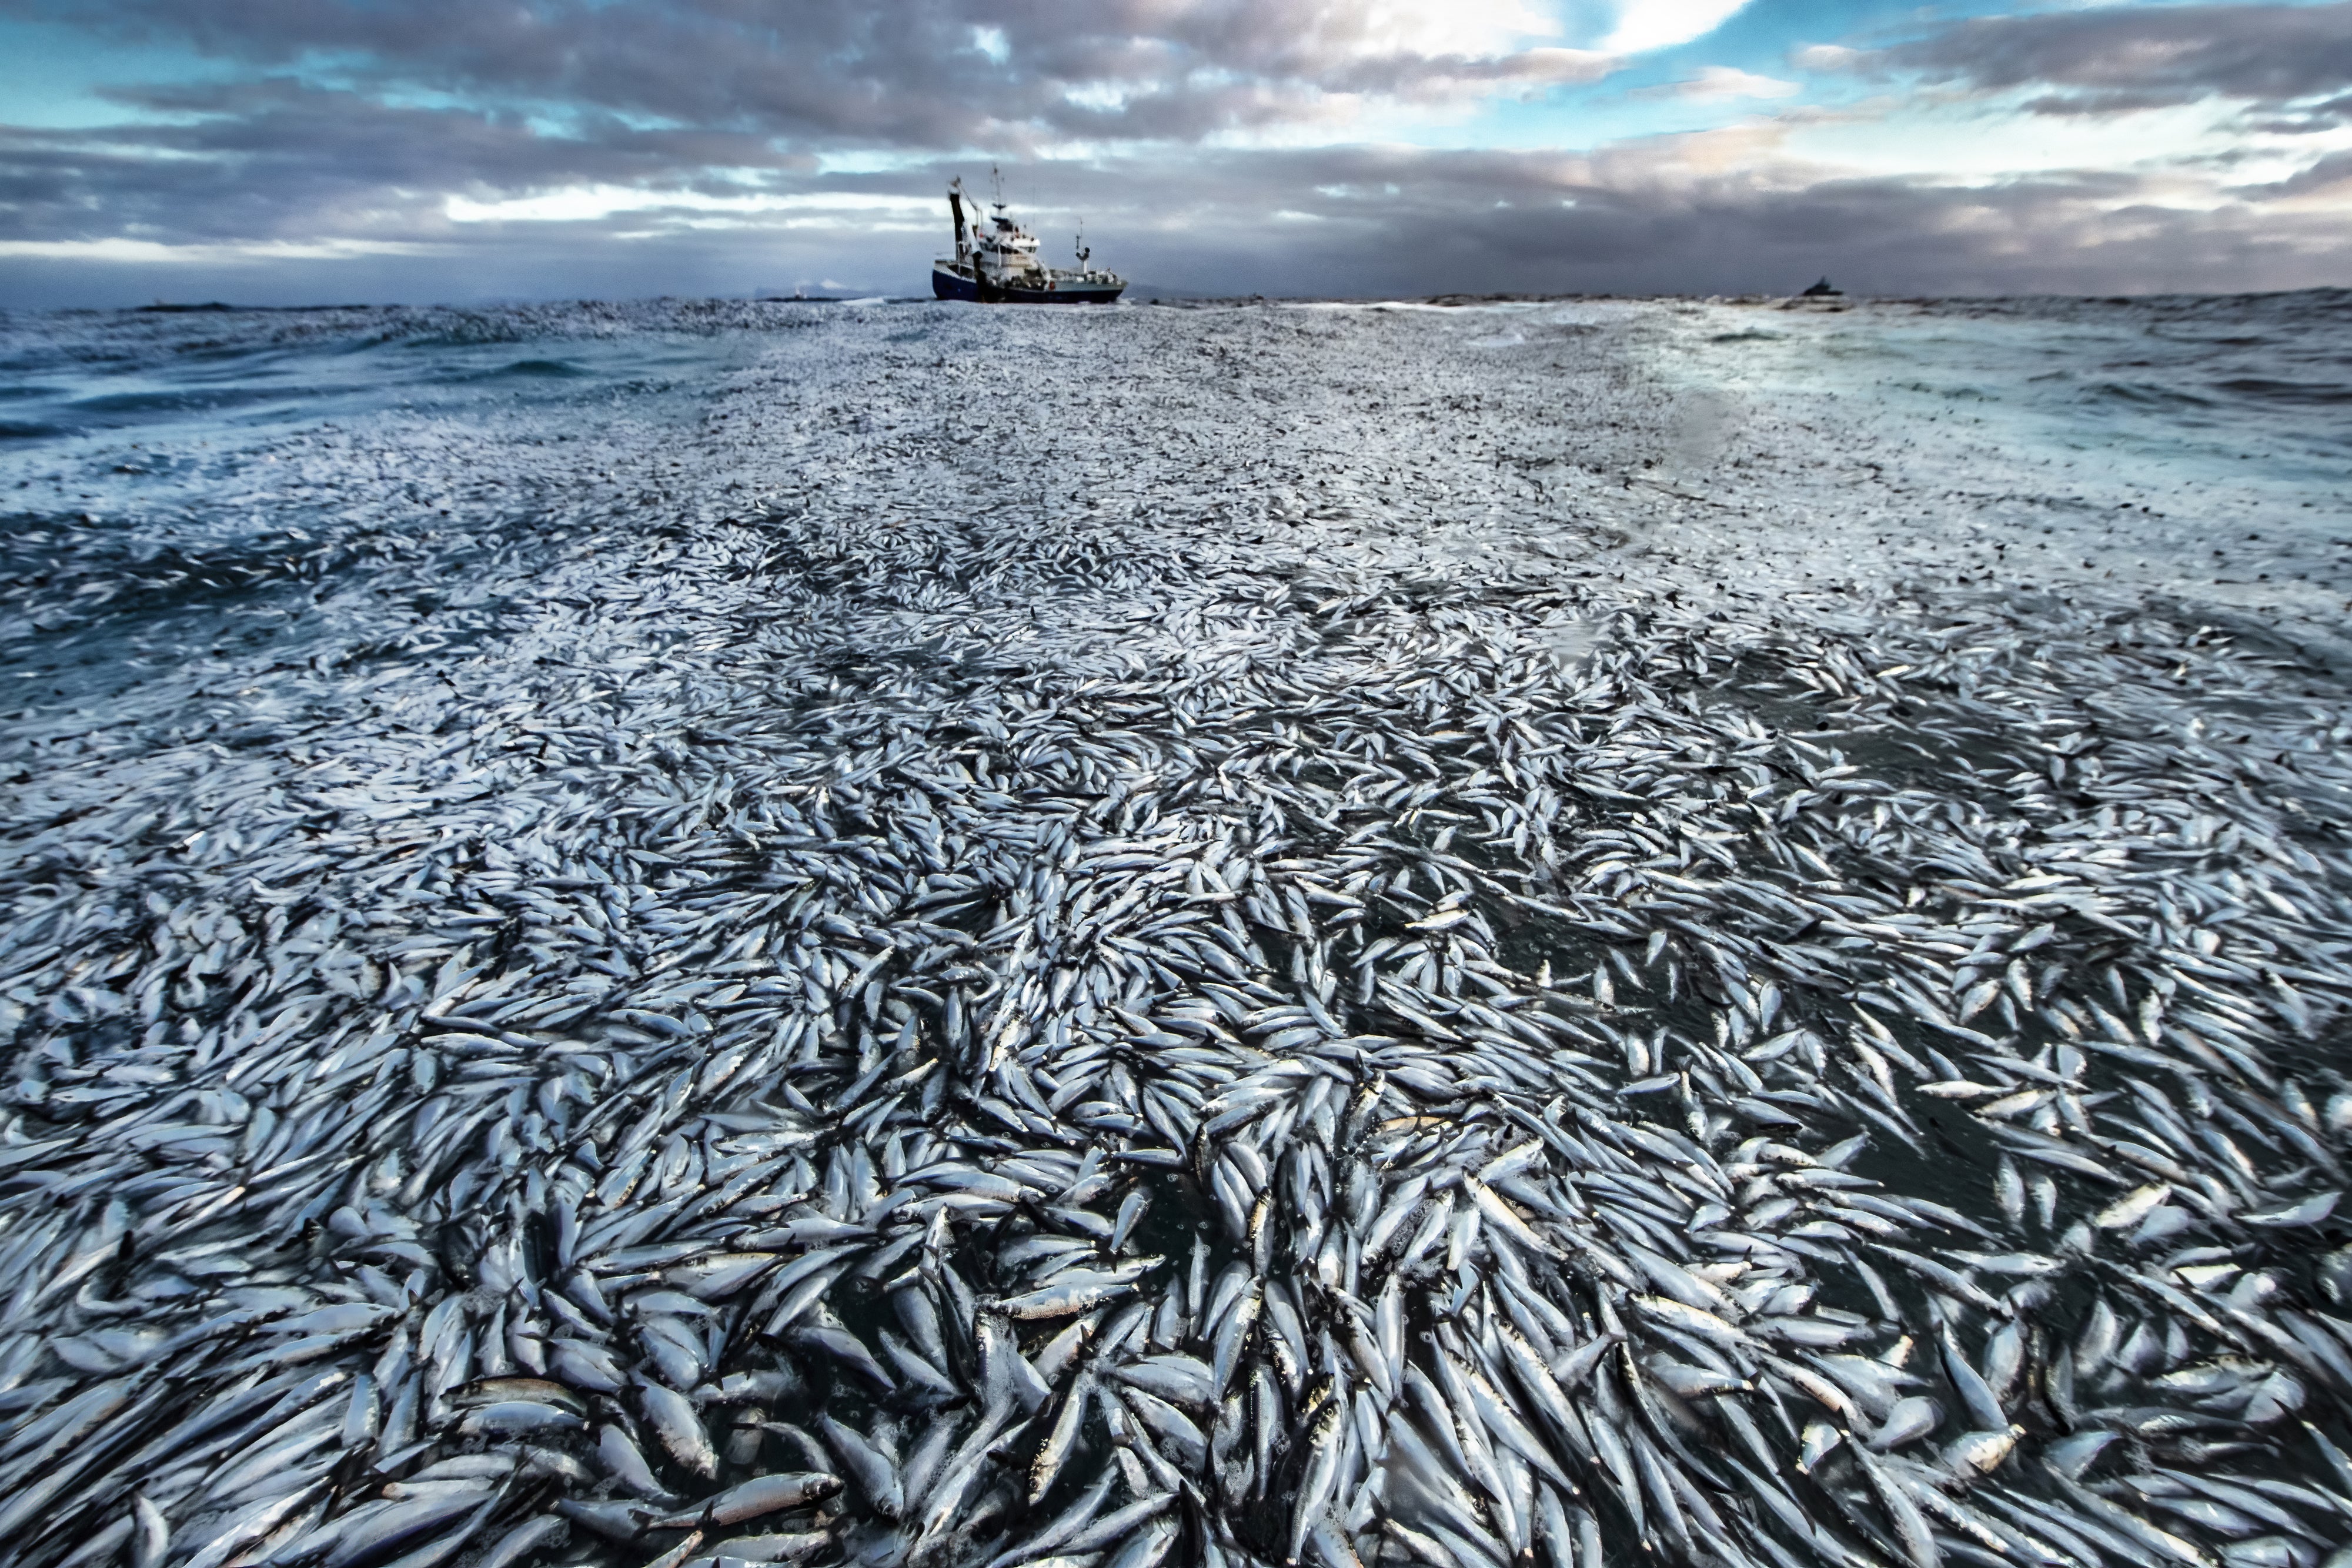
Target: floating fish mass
1198 959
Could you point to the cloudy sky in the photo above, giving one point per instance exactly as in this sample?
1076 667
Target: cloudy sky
309 151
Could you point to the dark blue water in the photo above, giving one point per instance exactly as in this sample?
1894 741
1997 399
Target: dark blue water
2184 379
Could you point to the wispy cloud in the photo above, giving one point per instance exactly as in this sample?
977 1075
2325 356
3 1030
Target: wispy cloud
2122 57
1645 25
1721 84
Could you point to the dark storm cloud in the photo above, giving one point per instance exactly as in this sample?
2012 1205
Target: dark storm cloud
328 171
1647 218
1655 216
2121 57
279 161
913 73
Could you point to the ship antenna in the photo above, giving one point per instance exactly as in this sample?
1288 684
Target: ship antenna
997 184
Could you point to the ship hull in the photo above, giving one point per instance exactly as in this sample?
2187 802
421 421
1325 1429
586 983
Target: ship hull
947 283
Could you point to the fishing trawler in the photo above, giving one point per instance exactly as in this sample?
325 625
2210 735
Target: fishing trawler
996 263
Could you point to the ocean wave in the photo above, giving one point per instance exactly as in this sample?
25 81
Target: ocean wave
2261 389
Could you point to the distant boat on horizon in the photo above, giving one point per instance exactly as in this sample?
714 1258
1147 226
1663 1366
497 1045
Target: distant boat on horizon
1822 290
996 263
